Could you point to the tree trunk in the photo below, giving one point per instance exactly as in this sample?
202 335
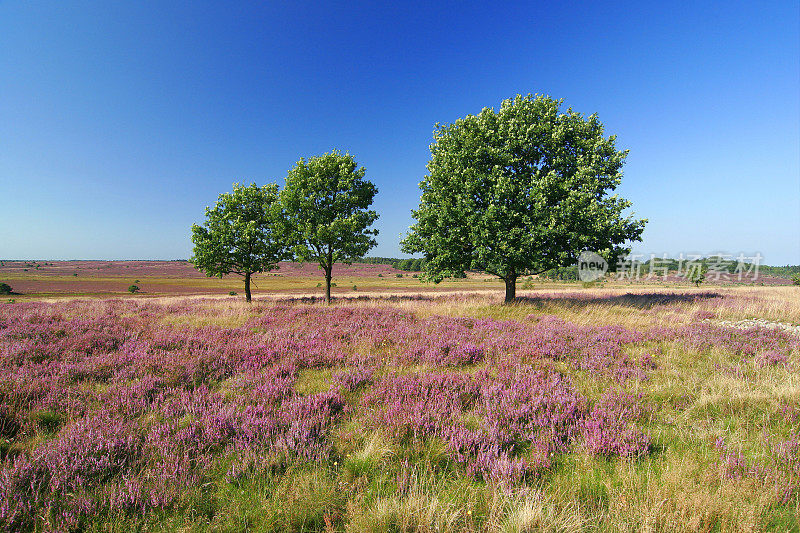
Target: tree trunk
511 287
247 286
328 276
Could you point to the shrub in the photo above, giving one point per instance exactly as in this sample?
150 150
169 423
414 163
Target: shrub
610 429
5 288
352 379
696 275
232 293
133 289
398 275
796 279
9 422
772 358
47 421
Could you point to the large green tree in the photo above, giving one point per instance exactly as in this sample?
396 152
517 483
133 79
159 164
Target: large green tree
244 233
327 200
519 191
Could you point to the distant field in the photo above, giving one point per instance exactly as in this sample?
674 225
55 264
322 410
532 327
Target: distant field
40 279
160 278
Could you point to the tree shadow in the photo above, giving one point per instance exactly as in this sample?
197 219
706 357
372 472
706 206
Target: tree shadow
348 299
638 301
570 300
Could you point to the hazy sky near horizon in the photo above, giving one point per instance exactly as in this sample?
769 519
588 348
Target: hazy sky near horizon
121 121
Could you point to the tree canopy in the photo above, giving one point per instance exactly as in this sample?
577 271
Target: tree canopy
519 191
244 233
326 200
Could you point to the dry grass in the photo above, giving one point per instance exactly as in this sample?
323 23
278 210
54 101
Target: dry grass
679 487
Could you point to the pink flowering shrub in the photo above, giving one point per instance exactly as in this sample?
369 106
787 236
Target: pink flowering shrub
518 412
780 469
610 427
522 405
772 358
353 379
115 407
743 342
307 421
420 404
704 315
85 454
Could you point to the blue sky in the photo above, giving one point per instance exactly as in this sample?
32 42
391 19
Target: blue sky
121 121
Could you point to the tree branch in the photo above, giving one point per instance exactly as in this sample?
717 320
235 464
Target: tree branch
494 274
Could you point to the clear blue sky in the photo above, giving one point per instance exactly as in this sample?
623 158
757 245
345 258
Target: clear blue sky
121 121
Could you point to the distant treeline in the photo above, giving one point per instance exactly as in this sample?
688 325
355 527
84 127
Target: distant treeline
570 273
729 264
409 265
715 263
787 271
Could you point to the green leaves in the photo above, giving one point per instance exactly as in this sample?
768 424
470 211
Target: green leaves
245 232
523 189
321 215
327 200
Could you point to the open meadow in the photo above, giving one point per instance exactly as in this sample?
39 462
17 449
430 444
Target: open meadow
613 409
165 278
100 279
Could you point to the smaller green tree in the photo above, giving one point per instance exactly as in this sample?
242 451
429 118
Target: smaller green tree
697 274
133 289
5 288
244 233
327 200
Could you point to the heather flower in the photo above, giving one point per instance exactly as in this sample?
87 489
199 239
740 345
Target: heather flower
307 421
610 427
772 358
119 409
353 379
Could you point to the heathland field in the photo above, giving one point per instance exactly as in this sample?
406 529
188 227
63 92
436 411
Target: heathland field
161 278
44 279
613 409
